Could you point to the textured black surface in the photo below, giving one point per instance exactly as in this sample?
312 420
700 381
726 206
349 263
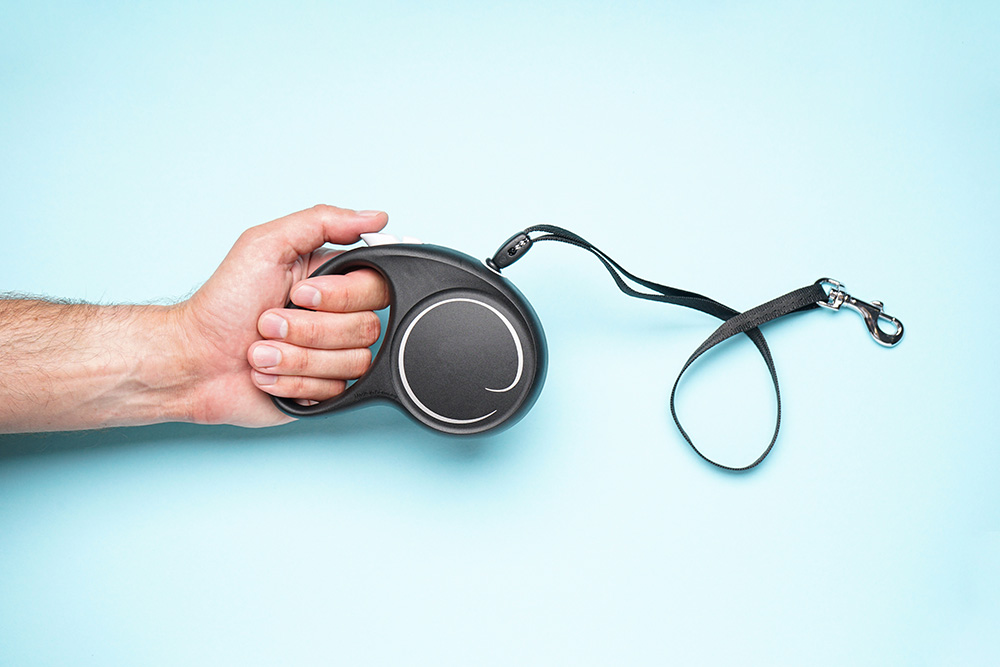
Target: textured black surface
458 347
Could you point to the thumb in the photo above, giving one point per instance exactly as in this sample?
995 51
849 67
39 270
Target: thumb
300 233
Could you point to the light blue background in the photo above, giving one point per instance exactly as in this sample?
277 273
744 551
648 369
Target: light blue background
739 150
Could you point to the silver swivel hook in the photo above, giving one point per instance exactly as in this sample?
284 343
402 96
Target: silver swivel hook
871 312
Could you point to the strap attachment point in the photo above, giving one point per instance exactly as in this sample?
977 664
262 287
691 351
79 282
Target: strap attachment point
871 312
510 251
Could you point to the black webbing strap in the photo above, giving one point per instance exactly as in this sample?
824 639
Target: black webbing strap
735 322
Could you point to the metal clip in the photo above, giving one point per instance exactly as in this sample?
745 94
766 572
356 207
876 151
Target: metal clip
871 312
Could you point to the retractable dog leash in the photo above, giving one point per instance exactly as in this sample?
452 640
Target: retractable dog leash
464 352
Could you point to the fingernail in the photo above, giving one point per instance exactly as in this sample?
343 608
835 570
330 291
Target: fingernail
273 326
369 214
306 295
264 378
265 356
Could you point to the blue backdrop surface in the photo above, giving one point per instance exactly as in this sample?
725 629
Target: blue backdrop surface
738 150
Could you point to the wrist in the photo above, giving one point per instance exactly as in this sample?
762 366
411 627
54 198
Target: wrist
160 376
131 369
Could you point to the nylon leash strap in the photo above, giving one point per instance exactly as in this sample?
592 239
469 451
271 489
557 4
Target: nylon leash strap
822 293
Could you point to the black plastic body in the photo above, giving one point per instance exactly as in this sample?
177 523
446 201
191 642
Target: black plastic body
463 351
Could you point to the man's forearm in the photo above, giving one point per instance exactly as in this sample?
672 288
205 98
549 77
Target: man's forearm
75 366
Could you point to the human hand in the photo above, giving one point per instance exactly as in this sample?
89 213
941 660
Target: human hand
243 341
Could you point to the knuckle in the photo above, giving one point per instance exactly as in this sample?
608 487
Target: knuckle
359 362
295 386
370 328
378 291
371 290
347 297
244 241
307 331
383 297
332 298
324 212
334 388
295 360
251 234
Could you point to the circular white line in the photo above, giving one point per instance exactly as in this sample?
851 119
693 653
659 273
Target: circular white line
402 353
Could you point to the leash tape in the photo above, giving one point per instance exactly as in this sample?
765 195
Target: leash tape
825 292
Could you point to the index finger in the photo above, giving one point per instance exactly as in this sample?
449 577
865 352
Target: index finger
363 289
